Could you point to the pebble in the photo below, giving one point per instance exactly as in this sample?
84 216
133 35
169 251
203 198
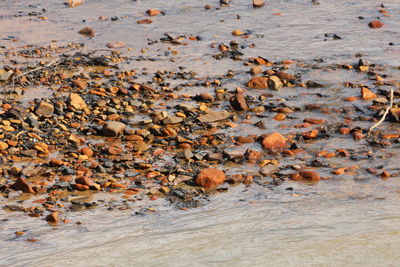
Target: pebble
257 83
153 12
210 178
22 185
258 3
275 83
113 128
375 24
306 175
367 94
214 116
274 142
238 102
44 108
76 101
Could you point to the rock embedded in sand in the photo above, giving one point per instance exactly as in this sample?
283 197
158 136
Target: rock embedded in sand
214 116
3 145
87 31
256 70
257 83
44 108
258 3
76 101
375 24
74 3
210 178
152 12
366 94
113 128
274 142
275 83
22 185
284 76
238 102
79 84
52 217
116 45
306 175
84 180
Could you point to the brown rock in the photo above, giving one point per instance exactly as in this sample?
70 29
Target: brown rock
257 83
44 108
314 121
285 76
258 3
214 116
79 83
116 45
52 218
366 94
210 178
306 175
84 181
81 187
256 70
375 24
207 97
3 145
238 102
274 142
394 115
56 162
310 134
145 21
87 31
22 185
246 139
74 3
76 101
153 12
113 128
87 151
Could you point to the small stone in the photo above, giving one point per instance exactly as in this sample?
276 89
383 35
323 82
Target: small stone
76 101
52 218
3 145
235 155
312 84
185 154
224 2
274 142
238 102
314 121
22 185
268 169
306 175
5 75
113 128
44 108
210 178
256 70
74 3
116 45
207 97
87 151
366 94
258 3
275 83
237 32
246 139
173 120
285 76
87 31
144 21
79 83
84 180
153 12
257 83
375 24
214 116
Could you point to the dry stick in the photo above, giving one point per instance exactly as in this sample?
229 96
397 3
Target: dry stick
384 114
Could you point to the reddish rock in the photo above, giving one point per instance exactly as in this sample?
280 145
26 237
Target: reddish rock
145 21
79 83
81 187
116 45
84 181
310 134
314 121
207 97
257 83
153 12
306 175
76 101
210 178
56 162
285 76
375 24
366 94
87 151
252 155
22 185
256 70
246 139
87 31
52 218
394 114
274 142
238 102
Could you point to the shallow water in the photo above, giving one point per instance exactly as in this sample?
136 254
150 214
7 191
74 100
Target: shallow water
337 222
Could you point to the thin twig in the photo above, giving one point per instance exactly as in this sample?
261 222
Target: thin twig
384 114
